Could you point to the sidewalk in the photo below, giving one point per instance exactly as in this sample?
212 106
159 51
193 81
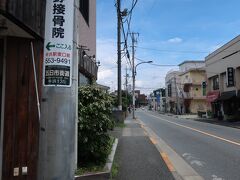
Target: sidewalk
136 156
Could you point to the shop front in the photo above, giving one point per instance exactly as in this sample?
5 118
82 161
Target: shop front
215 106
230 104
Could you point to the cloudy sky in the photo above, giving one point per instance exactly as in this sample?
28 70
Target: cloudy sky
170 31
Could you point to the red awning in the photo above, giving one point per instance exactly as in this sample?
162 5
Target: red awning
212 96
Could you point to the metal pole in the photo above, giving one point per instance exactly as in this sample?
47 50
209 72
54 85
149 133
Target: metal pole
119 54
36 84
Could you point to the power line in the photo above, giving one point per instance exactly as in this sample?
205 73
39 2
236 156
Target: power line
175 51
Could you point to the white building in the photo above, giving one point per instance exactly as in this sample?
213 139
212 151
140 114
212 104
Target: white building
223 84
172 82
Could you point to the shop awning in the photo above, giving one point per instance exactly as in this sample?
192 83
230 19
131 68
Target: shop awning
227 95
212 96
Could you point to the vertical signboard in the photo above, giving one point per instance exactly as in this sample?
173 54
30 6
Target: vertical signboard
230 77
58 45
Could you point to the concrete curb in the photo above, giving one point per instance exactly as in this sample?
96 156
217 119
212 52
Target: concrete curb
106 174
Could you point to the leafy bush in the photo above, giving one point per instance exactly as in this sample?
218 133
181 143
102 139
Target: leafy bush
126 101
94 110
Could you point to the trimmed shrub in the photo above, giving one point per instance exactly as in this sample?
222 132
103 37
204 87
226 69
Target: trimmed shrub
94 111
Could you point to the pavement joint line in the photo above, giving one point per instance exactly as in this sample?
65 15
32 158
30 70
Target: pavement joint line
199 131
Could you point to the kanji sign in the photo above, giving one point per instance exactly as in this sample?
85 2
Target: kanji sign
58 43
230 77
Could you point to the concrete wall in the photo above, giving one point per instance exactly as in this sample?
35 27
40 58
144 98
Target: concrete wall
187 65
87 32
198 105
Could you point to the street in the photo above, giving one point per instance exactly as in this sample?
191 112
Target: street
213 151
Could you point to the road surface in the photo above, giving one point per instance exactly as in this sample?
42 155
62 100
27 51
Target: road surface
213 151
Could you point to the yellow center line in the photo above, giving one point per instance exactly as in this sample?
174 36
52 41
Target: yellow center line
202 132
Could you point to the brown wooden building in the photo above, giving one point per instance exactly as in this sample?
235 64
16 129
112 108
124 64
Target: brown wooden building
21 23
22 27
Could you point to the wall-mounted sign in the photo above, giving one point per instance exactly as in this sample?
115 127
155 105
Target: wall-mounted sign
230 77
58 45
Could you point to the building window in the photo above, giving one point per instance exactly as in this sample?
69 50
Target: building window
215 83
169 90
84 9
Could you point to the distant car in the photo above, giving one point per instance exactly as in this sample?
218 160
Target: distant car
143 108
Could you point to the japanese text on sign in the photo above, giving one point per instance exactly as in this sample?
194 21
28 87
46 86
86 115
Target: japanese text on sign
58 43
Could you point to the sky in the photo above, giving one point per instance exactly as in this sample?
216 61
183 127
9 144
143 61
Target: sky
170 32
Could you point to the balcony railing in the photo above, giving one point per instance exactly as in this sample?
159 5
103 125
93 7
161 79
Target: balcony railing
191 81
191 95
88 67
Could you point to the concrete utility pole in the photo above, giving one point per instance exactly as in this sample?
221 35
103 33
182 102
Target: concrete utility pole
133 71
119 54
126 83
58 104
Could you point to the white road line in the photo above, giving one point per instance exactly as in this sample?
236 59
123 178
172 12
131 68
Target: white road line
202 132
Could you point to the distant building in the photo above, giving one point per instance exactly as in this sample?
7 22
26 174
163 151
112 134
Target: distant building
192 96
140 99
223 80
191 64
172 83
159 99
104 88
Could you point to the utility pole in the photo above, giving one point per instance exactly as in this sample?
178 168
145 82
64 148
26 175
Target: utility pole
126 85
59 101
126 82
119 54
133 71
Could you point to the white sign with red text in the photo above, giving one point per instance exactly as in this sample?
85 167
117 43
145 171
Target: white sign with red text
58 44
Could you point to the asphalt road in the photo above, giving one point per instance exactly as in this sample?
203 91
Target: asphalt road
213 151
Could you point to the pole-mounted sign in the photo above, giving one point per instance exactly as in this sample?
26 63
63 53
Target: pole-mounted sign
58 45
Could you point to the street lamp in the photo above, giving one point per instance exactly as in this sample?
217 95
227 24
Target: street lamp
134 73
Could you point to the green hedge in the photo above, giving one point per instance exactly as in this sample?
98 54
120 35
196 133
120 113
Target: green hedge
94 110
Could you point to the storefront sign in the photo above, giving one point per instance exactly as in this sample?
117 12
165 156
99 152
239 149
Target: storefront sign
230 77
58 45
212 96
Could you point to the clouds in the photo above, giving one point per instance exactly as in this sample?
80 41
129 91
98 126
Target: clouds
104 74
171 31
175 40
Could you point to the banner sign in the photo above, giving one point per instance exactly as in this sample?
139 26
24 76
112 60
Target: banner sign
58 44
230 77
